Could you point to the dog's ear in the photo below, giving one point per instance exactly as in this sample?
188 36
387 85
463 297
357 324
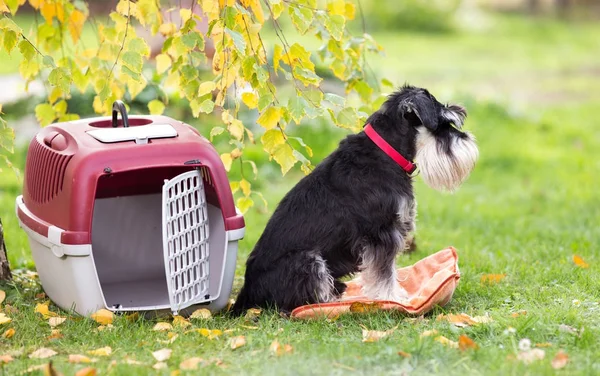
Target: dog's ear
423 108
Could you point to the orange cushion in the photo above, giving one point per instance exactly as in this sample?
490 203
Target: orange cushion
429 282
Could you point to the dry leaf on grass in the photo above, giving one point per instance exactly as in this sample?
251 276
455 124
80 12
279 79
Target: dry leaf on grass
8 333
88 371
201 313
55 334
162 326
42 353
492 278
464 320
77 358
172 336
180 322
132 317
465 343
237 342
580 262
249 327
364 307
278 349
210 334
560 360
2 296
567 329
531 356
105 327
133 362
519 313
376 335
545 344
43 309
429 333
56 321
103 351
190 364
5 359
4 319
446 342
162 354
253 313
160 365
404 354
40 296
103 317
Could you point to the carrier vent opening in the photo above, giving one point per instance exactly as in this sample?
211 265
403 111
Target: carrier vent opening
127 240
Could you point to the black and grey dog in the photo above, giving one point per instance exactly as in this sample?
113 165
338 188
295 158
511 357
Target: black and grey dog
356 210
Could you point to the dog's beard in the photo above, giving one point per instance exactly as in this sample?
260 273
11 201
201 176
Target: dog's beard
441 170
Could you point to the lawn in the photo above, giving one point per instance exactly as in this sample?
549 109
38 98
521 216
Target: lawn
527 209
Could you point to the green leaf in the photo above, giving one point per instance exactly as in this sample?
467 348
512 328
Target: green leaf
138 45
301 142
136 76
387 83
302 18
48 61
215 131
207 106
335 99
238 40
335 24
8 24
264 100
156 107
60 78
193 40
44 113
244 204
26 50
364 90
306 76
347 118
133 60
296 106
10 40
270 117
271 139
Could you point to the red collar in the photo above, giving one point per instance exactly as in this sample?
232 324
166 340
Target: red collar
406 165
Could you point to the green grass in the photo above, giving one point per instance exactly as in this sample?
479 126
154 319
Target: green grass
529 206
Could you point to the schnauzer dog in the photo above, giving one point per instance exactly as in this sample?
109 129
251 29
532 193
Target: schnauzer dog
356 211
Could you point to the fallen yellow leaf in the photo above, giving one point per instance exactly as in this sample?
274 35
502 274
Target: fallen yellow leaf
364 307
55 334
44 310
105 327
492 278
103 317
560 360
103 351
376 335
531 356
445 341
180 322
77 358
520 313
56 321
132 316
463 320
133 362
545 344
201 313
160 365
4 319
278 349
162 354
429 333
191 363
162 326
40 296
42 353
8 333
237 342
579 261
465 343
5 359
249 327
253 313
2 296
404 354
88 371
211 334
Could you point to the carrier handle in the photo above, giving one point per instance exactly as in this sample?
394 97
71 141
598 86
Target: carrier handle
120 107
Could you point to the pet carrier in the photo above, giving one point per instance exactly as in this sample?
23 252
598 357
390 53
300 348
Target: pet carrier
129 214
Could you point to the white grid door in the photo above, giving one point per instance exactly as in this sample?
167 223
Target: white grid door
185 240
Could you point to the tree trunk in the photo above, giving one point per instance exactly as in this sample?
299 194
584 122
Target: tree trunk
4 268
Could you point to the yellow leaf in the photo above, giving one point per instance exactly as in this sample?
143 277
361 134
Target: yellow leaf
545 344
429 333
465 343
227 160
211 334
350 11
185 14
206 87
376 335
4 319
258 11
517 314
404 354
278 349
77 358
88 371
237 342
201 313
191 363
337 7
270 117
284 155
44 310
2 293
162 354
180 322
363 307
580 262
56 321
277 57
163 62
156 107
167 29
76 22
103 351
42 353
48 10
5 359
103 316
8 333
250 99
105 327
162 326
253 313
492 278
245 187
54 334
560 360
236 128
446 342
463 320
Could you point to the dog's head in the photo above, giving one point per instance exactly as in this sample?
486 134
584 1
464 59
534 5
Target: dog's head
445 154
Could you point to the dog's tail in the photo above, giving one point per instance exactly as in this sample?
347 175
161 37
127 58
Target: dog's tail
242 302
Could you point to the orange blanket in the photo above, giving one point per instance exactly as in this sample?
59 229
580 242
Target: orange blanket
429 282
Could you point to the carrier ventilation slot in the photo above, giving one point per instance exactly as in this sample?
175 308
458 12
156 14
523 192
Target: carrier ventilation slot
45 170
